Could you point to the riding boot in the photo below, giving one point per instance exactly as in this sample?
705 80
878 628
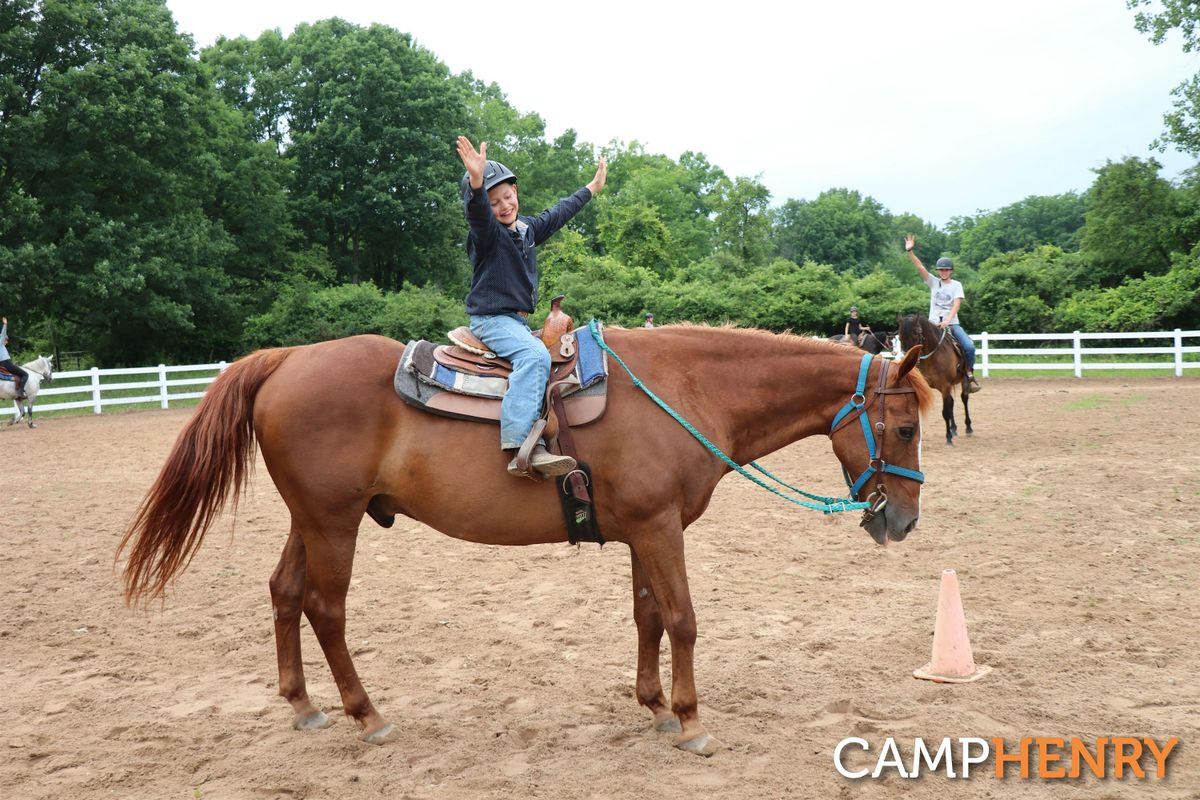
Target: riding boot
21 392
972 384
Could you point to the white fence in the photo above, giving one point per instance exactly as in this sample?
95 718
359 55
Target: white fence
106 388
1078 350
150 385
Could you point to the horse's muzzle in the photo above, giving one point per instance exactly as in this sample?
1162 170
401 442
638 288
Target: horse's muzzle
889 524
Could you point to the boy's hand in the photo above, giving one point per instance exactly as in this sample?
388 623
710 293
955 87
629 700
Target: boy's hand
601 176
909 243
473 160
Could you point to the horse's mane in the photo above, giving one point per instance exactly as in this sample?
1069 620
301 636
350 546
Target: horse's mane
793 343
907 323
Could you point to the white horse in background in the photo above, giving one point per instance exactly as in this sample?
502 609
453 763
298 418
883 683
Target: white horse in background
40 369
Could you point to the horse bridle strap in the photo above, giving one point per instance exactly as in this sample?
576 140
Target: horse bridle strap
857 405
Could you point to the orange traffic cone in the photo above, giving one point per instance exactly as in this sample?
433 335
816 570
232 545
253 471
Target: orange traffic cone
951 661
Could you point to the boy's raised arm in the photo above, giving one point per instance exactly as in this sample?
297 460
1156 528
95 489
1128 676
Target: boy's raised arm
474 160
598 182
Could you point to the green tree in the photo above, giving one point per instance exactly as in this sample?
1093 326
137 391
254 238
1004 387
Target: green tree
1036 220
634 234
367 118
1182 123
1019 291
741 219
1152 302
118 162
1132 221
840 228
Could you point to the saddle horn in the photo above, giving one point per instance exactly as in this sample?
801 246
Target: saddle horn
557 323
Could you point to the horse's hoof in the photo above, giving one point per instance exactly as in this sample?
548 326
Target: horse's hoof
387 733
702 745
312 722
668 723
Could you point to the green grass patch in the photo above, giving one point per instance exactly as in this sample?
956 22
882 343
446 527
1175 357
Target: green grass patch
1087 403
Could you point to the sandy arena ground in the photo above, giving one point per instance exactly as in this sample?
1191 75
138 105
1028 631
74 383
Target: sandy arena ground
1070 517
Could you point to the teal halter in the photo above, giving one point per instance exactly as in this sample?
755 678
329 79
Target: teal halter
857 404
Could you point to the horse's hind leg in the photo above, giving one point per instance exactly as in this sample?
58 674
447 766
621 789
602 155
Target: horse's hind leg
329 558
287 601
660 552
650 631
967 410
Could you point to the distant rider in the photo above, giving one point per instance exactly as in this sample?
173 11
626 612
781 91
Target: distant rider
945 296
6 361
855 328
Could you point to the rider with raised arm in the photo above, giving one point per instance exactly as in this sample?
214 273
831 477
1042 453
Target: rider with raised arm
504 286
945 296
6 360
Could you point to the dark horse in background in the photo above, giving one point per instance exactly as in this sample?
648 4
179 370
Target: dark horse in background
337 450
942 365
869 341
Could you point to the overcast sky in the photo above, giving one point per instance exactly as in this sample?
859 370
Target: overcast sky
935 107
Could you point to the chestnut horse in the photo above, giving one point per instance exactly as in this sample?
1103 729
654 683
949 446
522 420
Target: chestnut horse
942 366
339 449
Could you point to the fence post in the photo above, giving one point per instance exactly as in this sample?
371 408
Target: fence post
1078 355
1178 353
983 352
96 389
162 385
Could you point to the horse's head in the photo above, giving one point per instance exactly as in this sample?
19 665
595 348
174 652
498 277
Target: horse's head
910 329
879 445
44 366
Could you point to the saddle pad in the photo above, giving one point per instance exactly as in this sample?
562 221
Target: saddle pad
418 359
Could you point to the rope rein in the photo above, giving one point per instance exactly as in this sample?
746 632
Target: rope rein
941 339
826 505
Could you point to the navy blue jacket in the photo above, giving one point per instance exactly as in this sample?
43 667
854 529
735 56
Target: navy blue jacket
505 278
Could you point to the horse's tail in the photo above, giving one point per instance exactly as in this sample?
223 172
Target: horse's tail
210 461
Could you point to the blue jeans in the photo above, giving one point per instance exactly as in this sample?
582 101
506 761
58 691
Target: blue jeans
509 337
968 346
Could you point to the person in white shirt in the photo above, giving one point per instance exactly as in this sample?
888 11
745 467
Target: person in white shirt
945 297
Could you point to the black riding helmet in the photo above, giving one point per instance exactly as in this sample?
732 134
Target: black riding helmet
494 174
945 263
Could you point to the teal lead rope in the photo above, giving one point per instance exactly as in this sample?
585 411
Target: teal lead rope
826 505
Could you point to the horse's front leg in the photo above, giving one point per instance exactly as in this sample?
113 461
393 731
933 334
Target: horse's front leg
660 553
29 413
948 415
967 410
287 601
650 631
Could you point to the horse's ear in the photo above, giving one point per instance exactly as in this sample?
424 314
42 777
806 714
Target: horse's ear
909 361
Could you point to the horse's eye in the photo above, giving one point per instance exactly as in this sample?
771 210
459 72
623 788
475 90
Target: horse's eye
907 432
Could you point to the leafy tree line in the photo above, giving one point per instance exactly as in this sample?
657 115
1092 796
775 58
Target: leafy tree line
156 204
